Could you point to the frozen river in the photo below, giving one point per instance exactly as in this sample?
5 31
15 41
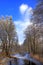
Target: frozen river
17 59
21 60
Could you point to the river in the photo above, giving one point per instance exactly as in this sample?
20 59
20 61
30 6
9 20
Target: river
21 60
18 59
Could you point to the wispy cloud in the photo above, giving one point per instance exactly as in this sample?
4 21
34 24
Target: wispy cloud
20 27
26 11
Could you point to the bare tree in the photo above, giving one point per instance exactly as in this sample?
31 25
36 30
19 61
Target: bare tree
31 34
37 19
8 33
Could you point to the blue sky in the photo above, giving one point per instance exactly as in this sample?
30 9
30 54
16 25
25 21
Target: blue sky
20 10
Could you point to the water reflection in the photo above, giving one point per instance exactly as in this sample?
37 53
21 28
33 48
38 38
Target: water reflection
20 60
16 62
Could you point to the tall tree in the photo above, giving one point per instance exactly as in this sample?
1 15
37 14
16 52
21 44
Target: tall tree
37 19
8 33
31 34
38 12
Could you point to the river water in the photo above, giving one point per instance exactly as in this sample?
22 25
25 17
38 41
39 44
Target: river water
20 60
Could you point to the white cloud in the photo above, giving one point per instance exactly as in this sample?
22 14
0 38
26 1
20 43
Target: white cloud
23 8
21 25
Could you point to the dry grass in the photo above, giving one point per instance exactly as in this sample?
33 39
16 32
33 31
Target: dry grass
37 57
3 59
2 54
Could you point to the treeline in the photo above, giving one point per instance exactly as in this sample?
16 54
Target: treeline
8 35
33 42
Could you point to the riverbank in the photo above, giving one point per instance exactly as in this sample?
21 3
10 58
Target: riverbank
4 61
37 57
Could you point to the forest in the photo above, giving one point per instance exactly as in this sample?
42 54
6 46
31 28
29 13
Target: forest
33 34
